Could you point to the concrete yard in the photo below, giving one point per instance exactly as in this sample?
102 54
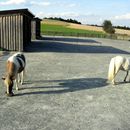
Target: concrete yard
66 87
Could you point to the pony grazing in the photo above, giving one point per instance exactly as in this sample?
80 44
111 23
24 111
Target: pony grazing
15 68
118 63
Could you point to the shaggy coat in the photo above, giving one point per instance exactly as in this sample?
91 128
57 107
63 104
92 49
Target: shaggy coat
118 63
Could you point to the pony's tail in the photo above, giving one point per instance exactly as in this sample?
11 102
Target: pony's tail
111 71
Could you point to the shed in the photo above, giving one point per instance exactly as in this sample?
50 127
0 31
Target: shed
15 29
36 25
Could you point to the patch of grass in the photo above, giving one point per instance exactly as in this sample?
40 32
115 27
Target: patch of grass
49 29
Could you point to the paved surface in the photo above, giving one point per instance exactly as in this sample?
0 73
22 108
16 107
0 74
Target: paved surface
66 87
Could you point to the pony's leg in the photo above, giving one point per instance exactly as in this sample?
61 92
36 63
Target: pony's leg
129 77
16 81
113 82
19 77
127 72
116 71
22 76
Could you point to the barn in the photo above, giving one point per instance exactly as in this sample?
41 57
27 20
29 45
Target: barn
15 29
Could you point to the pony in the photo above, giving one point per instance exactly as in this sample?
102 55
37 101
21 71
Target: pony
15 70
118 63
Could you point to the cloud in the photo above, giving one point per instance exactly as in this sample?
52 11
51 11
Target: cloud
12 2
40 3
71 5
121 20
123 17
63 15
88 18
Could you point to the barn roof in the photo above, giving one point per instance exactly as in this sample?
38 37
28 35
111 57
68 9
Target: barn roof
17 11
36 19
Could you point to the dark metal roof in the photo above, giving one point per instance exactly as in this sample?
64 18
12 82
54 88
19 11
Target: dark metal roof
37 19
17 11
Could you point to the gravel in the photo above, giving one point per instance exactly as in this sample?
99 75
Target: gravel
66 87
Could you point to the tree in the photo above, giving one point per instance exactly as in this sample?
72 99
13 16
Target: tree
107 27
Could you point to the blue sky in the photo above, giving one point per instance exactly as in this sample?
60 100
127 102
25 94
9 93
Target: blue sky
85 11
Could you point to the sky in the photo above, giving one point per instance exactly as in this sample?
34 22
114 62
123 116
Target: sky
85 11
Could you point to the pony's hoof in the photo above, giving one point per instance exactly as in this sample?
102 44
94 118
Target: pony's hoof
17 89
9 94
114 83
125 81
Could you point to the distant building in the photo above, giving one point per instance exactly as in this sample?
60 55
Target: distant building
15 29
36 25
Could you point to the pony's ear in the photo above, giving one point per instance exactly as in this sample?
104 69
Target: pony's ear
3 78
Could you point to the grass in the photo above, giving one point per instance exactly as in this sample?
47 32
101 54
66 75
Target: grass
50 29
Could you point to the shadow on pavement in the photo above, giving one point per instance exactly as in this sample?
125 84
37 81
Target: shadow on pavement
65 86
65 45
69 39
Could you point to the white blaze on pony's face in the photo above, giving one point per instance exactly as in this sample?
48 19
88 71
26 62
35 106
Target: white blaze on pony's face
15 65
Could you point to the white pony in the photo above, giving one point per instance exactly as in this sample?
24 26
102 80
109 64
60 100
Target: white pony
15 68
118 63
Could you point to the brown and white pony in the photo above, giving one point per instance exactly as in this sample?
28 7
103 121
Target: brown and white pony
15 69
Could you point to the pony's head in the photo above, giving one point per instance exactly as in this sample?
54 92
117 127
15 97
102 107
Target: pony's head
8 81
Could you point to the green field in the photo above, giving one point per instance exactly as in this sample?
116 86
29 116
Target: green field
49 29
58 28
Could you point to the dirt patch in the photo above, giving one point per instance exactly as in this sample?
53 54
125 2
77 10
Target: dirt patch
85 27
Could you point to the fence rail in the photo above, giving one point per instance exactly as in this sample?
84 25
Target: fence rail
96 35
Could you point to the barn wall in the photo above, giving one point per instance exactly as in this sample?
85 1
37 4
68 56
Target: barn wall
15 29
11 32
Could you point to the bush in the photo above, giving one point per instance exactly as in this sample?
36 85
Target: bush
107 27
